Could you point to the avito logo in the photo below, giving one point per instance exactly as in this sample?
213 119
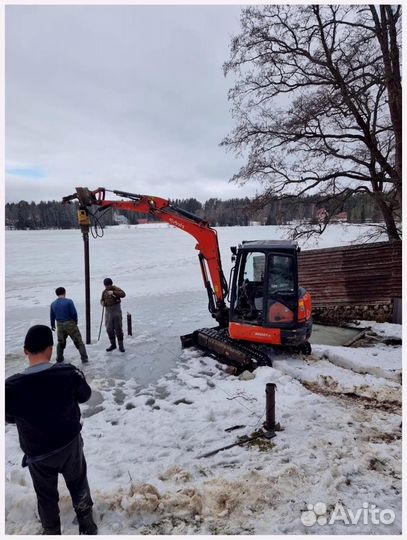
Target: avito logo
369 513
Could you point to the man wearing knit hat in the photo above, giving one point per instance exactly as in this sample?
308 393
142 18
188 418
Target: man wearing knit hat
113 319
43 403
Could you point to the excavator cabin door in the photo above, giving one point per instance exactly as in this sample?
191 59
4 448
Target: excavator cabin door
264 292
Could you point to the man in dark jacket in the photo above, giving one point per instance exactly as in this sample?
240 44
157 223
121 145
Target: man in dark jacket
113 319
43 403
63 311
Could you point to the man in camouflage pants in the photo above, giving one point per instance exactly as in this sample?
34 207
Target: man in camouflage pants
113 319
63 311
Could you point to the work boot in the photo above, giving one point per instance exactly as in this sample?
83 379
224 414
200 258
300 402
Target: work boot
112 345
121 346
83 353
60 353
52 530
86 524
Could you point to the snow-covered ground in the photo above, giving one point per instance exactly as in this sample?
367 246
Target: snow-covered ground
155 410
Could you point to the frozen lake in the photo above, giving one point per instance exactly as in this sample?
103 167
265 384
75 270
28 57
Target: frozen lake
157 267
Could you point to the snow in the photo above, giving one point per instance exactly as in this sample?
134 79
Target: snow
386 329
381 361
155 409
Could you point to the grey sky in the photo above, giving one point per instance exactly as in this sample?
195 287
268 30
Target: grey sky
125 97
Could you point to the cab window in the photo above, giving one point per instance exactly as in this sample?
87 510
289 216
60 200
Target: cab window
281 275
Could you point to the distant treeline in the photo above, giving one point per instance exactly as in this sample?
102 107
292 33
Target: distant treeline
52 214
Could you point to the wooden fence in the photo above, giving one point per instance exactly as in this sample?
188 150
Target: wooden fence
360 274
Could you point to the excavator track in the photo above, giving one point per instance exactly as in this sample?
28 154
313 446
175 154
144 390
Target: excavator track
216 342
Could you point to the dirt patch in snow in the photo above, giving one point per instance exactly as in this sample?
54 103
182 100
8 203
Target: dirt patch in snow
386 438
375 401
217 506
175 473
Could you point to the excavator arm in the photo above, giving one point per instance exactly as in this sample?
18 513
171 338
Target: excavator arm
207 239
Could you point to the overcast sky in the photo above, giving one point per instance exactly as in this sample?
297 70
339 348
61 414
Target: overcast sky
123 97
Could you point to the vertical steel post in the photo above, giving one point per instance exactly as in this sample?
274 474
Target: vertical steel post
270 423
87 285
129 326
84 223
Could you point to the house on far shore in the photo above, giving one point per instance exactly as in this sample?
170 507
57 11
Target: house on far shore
321 214
342 217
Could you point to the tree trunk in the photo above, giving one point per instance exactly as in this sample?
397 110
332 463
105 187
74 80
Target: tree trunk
386 32
391 227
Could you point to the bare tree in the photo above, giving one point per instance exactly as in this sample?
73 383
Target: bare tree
317 102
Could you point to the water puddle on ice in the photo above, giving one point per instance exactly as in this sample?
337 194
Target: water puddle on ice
333 335
143 362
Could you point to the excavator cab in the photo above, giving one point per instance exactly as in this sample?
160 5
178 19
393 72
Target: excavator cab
267 305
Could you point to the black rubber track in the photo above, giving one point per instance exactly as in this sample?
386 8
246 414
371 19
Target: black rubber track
217 342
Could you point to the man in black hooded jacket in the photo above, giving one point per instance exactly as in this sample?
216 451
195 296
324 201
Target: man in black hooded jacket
43 403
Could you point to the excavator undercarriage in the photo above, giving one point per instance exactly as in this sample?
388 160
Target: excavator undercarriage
217 342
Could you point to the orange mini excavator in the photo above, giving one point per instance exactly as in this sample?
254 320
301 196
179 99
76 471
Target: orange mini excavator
268 309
